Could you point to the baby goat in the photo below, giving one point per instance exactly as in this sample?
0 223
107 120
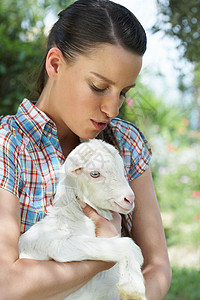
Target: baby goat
92 173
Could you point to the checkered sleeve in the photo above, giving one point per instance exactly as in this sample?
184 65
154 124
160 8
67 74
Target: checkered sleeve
141 153
135 149
9 163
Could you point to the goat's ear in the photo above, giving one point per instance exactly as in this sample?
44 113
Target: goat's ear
73 166
77 170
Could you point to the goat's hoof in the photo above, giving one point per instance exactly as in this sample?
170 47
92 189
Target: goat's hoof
134 296
127 294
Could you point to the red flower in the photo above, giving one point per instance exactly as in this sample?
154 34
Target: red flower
170 148
130 102
196 194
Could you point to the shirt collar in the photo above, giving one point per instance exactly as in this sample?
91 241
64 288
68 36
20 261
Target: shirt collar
34 122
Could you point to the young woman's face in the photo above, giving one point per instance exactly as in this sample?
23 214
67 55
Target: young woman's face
88 93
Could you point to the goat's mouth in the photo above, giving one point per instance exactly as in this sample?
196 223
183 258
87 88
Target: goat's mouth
124 210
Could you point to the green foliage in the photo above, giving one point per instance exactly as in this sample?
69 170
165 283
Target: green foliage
21 44
152 115
180 19
178 190
22 47
185 285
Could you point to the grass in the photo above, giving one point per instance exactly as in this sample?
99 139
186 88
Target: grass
185 285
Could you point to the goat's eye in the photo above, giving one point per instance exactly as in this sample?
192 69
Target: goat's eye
95 174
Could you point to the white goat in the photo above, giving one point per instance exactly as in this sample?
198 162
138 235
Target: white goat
93 173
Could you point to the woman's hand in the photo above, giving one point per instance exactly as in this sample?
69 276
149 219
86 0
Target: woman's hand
104 228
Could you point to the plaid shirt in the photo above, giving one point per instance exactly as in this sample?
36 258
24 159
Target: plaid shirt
31 156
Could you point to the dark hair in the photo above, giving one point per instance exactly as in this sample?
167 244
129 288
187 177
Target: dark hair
84 25
87 23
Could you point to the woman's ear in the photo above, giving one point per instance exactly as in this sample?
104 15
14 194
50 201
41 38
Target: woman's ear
53 61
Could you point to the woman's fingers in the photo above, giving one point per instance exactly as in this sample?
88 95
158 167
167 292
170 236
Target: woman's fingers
104 228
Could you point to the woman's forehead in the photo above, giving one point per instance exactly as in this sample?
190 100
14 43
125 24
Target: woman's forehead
110 62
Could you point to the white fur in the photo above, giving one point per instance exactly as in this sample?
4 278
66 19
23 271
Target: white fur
67 234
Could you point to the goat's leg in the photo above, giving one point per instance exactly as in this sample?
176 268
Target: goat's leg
131 281
84 247
121 250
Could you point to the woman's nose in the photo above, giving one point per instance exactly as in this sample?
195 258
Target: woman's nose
111 106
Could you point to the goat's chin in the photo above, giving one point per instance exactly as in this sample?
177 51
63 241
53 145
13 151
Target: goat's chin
122 210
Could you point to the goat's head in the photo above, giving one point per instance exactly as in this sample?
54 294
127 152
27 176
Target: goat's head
98 170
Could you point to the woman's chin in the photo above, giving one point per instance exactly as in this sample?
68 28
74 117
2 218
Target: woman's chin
89 136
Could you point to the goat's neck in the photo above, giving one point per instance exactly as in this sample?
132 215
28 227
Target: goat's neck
66 204
66 192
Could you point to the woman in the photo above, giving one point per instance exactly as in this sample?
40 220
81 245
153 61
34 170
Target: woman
94 55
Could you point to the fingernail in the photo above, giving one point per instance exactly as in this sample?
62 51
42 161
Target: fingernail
82 204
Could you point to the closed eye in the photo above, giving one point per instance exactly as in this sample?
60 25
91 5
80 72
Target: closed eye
96 89
122 94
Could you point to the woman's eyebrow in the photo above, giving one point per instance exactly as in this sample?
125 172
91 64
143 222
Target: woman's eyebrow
108 80
102 77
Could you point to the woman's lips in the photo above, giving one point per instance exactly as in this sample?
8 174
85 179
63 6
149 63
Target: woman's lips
100 125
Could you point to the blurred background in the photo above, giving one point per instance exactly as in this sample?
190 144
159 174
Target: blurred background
165 105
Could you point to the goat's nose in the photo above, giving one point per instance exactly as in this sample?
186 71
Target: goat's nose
129 199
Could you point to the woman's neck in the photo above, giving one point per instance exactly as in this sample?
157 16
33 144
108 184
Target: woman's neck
68 143
68 140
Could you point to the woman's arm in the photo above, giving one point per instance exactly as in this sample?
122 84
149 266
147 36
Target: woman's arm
30 279
148 233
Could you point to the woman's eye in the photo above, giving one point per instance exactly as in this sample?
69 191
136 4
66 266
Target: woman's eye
95 174
99 90
96 89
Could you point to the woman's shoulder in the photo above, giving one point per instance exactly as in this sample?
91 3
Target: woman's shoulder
6 126
122 126
135 149
8 133
128 134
